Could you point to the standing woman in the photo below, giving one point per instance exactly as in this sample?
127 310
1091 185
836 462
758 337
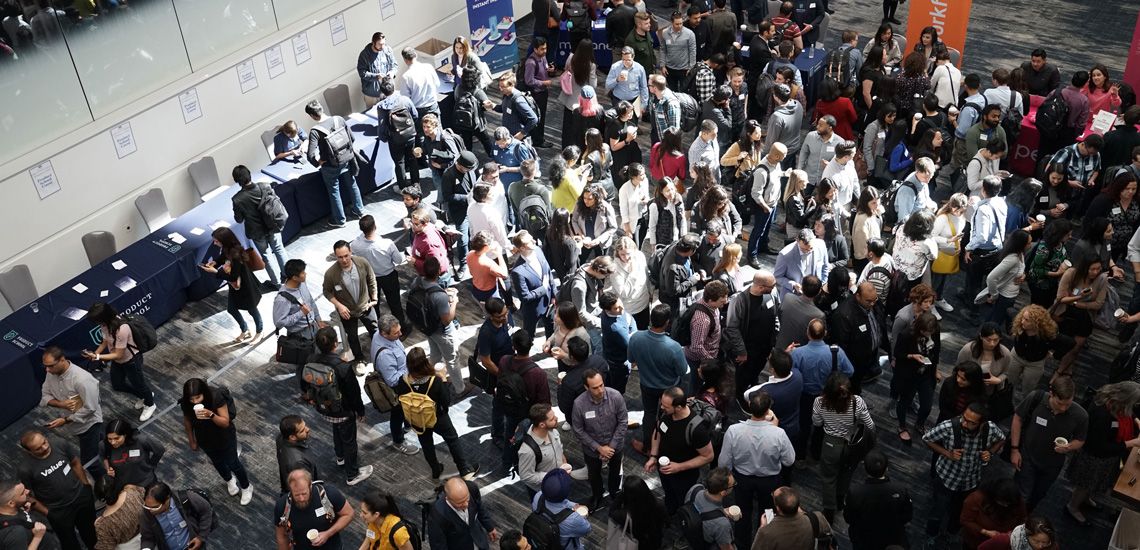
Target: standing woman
727 269
630 280
668 217
1034 332
1112 434
1003 283
643 509
1080 294
912 85
702 178
873 70
594 223
966 386
833 102
915 249
1048 261
232 265
1118 204
463 60
211 429
566 181
385 528
621 132
837 410
633 201
916 368
589 115
560 246
667 159
948 226
129 457
987 351
796 202
488 266
533 283
875 145
583 72
601 160
868 225
421 378
715 205
1095 242
470 117
745 153
118 346
567 324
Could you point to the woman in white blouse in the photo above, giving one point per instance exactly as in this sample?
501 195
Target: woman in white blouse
948 226
630 281
915 249
1003 283
633 201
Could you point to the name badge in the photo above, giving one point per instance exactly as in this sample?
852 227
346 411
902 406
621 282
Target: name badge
664 428
372 534
834 305
829 149
66 469
508 110
982 137
1108 247
319 511
1116 211
881 135
338 288
862 328
182 524
768 304
1042 421
134 453
591 414
811 6
1043 200
1115 424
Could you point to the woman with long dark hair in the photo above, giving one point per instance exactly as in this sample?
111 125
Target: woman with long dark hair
1080 294
916 371
1112 434
583 72
965 385
118 347
836 291
567 324
899 157
643 509
929 46
422 378
1119 205
470 118
745 153
129 457
833 101
601 160
715 205
1003 283
885 38
913 84
702 179
996 507
594 223
1103 94
209 426
231 265
1096 242
836 412
559 246
381 517
994 358
667 159
566 179
875 150
668 217
827 228
1047 262
633 201
621 133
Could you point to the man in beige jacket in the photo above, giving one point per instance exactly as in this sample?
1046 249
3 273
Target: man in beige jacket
350 284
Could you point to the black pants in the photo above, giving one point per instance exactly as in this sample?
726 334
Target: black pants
618 376
651 403
944 503
352 334
594 470
446 430
405 162
89 449
483 136
676 486
807 401
344 444
77 516
675 79
753 495
538 135
129 377
748 373
396 423
641 318
228 464
889 8
981 263
390 285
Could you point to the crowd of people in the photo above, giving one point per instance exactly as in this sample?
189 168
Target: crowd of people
646 262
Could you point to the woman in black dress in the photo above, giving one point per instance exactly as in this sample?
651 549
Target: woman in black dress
231 264
559 246
208 420
1112 433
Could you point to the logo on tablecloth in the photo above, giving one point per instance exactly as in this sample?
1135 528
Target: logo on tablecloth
96 335
13 337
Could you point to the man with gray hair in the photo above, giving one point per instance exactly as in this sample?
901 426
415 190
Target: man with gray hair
914 194
705 148
391 361
753 320
819 148
421 85
784 123
806 256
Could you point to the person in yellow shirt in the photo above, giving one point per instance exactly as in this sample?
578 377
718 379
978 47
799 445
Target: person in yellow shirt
567 181
385 526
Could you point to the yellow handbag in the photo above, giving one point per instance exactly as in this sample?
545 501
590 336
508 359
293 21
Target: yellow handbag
946 263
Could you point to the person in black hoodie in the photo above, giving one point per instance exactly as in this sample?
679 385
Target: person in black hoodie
878 511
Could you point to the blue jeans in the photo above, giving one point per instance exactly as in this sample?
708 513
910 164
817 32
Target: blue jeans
999 311
464 228
271 241
334 177
762 224
236 312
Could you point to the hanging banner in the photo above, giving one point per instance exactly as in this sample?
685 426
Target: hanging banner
949 17
493 36
1132 66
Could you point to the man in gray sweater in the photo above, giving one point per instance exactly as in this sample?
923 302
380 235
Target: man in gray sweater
784 124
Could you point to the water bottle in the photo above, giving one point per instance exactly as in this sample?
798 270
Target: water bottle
811 52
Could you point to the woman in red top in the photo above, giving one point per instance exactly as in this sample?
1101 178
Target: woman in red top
1035 534
831 102
487 266
667 159
994 509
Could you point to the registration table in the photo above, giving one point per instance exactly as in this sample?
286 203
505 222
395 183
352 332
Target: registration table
157 275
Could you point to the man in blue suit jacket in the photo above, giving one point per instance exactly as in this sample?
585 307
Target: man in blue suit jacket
533 283
806 256
458 520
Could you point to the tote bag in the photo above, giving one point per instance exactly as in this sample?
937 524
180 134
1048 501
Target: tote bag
947 263
619 538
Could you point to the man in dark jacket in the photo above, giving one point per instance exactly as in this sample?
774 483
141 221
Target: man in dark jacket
247 210
878 511
458 181
750 330
292 450
185 517
859 326
679 275
458 520
375 63
619 23
1041 78
350 410
543 11
518 117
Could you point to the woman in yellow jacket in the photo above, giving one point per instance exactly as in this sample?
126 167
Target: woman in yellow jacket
385 528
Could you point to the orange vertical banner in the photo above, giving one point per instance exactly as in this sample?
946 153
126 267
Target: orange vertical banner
949 17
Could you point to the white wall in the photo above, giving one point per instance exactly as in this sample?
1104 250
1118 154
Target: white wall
98 189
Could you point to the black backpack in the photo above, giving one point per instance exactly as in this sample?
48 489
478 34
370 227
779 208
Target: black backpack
690 84
419 310
742 187
142 332
837 67
413 536
692 522
690 111
544 530
401 126
578 15
703 413
1053 115
520 75
272 210
339 142
654 265
230 404
534 213
510 391
516 446
682 329
530 102
1011 122
891 215
466 114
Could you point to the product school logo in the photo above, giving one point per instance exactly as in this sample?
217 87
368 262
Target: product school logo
15 339
96 335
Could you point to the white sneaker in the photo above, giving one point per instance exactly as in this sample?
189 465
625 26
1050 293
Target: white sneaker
936 314
232 486
405 448
361 475
140 403
944 306
147 412
247 495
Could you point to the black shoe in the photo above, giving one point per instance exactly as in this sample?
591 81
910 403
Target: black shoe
1073 517
269 286
544 145
436 471
754 262
895 21
470 474
598 505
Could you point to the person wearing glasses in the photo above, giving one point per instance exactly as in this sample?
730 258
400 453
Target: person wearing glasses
76 393
717 531
175 521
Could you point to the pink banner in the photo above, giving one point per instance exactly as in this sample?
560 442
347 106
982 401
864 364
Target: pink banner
1132 68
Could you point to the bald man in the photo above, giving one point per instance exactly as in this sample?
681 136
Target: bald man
458 520
51 469
859 326
311 507
751 328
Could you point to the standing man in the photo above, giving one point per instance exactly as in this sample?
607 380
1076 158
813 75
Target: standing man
628 81
678 50
442 328
600 422
1081 164
1040 77
790 527
518 116
1042 420
458 520
492 343
537 81
819 148
293 450
421 85
704 328
750 329
765 194
294 308
24 528
311 506
784 387
541 449
987 233
375 64
442 147
858 326
878 511
547 14
349 409
350 284
685 447
784 124
815 361
384 257
336 160
1079 114
756 451
391 362
797 311
664 107
722 28
641 42
805 257
262 230
660 362
398 122
809 15
679 276
458 181
709 498
54 474
706 148
76 392
619 23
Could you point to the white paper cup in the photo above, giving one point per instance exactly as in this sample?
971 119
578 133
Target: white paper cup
583 511
733 512
312 534
199 407
624 74
1119 313
663 461
1041 218
1060 441
567 467
561 376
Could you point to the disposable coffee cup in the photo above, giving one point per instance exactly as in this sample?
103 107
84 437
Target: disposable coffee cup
918 116
418 152
1041 218
1060 442
583 511
199 407
624 74
733 512
663 461
312 534
1119 313
568 467
561 375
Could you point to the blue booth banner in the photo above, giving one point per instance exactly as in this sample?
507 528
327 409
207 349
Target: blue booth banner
493 34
